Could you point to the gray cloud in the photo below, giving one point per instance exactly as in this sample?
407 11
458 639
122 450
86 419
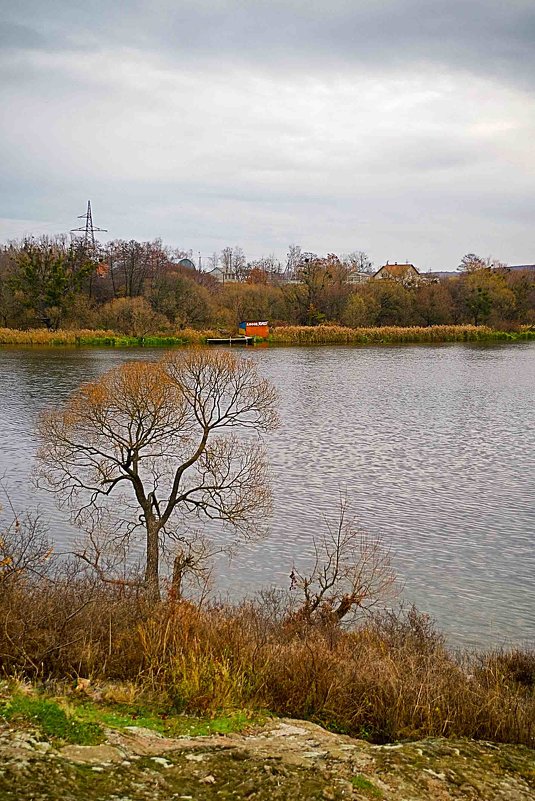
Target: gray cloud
15 36
487 37
344 124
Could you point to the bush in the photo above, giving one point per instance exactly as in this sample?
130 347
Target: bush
391 677
132 316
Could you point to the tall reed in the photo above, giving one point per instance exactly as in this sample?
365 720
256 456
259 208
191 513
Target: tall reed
340 335
102 338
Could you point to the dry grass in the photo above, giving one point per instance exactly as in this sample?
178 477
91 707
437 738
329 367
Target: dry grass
340 335
388 679
41 336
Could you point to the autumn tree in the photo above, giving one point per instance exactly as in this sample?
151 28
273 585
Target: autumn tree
148 445
522 285
487 296
433 303
47 274
134 317
322 291
249 301
388 302
183 300
9 307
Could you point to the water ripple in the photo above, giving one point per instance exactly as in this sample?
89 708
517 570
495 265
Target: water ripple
434 446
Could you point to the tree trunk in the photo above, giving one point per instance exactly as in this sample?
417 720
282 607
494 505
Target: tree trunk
152 567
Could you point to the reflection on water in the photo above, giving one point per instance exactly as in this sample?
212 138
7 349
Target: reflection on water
434 446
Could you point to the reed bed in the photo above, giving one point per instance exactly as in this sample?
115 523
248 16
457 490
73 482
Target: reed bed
100 338
280 335
387 679
340 335
42 336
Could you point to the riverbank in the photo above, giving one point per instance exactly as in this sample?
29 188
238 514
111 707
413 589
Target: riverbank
279 335
140 759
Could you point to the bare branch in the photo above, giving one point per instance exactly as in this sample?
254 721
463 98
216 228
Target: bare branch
351 573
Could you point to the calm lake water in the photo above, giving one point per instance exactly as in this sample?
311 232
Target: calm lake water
434 445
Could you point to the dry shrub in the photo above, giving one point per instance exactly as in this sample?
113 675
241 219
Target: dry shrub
390 677
132 316
66 626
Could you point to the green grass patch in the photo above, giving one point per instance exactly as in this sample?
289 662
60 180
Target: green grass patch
82 721
363 784
132 342
51 719
118 716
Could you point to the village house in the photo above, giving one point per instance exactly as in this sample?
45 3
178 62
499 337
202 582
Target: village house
405 274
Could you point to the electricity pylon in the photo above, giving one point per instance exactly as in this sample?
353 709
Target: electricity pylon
88 229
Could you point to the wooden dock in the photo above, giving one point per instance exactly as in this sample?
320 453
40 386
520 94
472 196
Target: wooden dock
230 341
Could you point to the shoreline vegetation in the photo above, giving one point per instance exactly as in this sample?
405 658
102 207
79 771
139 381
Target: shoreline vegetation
279 335
389 678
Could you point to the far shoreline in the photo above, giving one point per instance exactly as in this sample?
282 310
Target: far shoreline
279 335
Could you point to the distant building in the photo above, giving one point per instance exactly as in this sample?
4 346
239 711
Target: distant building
222 275
186 263
356 277
405 274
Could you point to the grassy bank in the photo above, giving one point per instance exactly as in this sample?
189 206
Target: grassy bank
390 678
280 335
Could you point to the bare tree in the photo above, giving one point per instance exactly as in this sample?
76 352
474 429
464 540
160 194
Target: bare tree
226 259
159 438
239 264
269 266
359 261
25 550
213 260
293 259
234 262
351 572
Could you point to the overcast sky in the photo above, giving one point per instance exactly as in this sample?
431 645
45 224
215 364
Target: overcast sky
405 128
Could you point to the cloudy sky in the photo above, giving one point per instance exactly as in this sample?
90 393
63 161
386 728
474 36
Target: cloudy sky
405 128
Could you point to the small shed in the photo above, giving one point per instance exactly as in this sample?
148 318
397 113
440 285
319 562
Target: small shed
256 329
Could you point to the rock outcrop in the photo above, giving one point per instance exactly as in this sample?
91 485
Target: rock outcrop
284 759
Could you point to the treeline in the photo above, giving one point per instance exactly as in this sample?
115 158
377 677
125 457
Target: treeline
137 288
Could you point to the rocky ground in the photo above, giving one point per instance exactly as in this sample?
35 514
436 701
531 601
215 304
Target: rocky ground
282 759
